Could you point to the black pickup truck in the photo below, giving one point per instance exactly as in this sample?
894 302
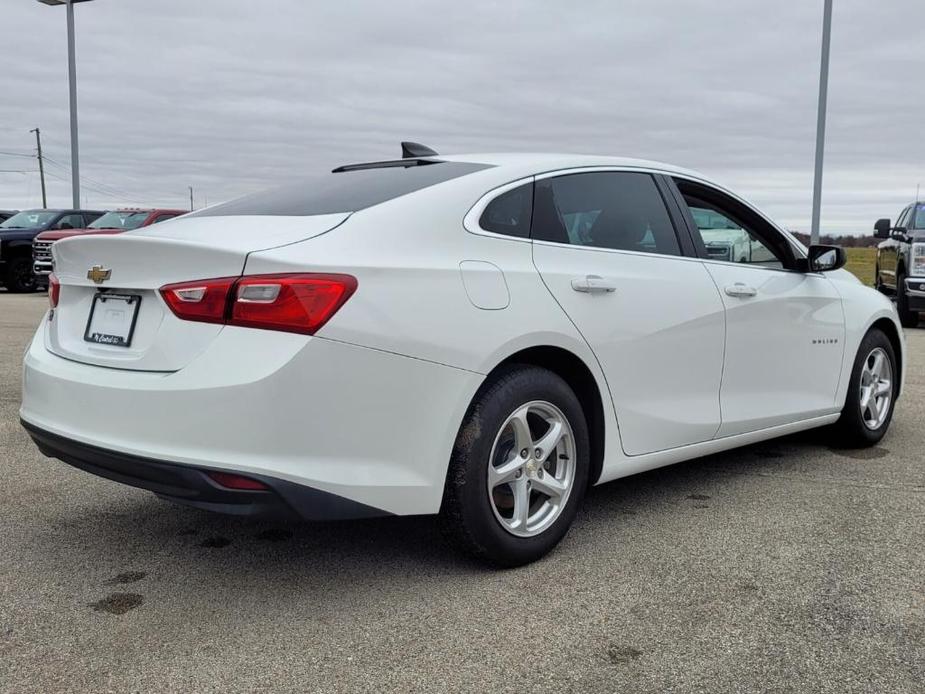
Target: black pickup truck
16 235
900 270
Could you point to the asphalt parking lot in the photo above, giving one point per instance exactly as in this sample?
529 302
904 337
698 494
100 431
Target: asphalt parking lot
787 566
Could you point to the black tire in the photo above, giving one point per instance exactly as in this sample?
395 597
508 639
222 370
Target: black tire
850 431
908 319
468 512
18 277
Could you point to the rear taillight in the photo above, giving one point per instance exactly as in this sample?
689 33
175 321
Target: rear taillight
205 301
54 290
292 303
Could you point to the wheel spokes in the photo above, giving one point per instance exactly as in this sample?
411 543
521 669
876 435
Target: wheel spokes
876 369
523 439
549 440
550 486
506 472
866 393
521 504
873 407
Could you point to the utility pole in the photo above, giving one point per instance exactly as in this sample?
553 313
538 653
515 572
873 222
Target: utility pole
191 198
38 144
820 119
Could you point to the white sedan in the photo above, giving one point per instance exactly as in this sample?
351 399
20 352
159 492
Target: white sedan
479 336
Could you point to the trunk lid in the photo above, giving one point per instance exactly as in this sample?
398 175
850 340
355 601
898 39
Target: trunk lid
139 263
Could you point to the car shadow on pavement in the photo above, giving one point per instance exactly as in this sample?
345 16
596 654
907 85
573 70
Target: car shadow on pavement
141 529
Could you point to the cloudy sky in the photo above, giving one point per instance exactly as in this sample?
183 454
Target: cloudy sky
230 96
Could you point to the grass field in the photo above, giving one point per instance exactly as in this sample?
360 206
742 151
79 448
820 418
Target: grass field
861 262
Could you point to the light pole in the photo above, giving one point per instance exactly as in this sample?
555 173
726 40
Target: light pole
72 90
820 119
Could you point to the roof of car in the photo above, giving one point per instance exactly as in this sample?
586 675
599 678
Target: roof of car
533 162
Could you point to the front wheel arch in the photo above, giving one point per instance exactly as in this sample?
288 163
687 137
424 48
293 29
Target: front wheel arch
888 328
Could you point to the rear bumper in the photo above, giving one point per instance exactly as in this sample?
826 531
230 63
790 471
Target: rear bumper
191 486
354 423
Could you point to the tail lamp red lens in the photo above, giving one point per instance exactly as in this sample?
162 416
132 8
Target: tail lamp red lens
54 290
232 481
298 303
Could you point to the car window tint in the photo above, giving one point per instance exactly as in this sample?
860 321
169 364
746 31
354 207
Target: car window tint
902 219
510 212
345 191
610 209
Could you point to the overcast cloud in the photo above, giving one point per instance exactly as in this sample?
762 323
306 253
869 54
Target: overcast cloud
232 96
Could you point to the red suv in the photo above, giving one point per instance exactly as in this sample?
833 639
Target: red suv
114 222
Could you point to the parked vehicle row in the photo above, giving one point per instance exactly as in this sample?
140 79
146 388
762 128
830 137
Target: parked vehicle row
17 234
26 238
900 265
113 222
478 336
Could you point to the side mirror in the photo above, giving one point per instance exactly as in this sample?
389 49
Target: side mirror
882 229
826 258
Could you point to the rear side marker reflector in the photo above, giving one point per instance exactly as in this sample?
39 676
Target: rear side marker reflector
297 303
230 481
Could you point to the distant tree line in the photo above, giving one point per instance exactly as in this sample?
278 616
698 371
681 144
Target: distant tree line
845 241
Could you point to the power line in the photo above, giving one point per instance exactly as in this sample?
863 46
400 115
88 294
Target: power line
100 187
95 189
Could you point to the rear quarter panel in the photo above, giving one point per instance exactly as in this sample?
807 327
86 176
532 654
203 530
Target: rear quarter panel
411 299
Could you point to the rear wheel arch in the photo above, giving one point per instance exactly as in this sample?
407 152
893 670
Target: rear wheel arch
575 372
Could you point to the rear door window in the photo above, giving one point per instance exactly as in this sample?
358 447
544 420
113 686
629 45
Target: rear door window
609 209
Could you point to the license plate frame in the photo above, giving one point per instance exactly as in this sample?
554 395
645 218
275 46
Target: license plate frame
121 337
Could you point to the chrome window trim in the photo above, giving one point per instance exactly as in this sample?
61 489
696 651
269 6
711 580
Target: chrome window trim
471 219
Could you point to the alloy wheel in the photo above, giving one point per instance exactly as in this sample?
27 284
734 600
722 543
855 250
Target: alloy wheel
876 388
531 469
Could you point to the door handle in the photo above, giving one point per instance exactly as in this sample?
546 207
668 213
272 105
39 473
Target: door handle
593 284
741 290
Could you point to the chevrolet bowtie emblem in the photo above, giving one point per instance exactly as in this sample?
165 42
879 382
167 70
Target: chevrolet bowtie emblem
98 274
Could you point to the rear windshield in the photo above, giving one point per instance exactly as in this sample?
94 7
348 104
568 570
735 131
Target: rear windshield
346 191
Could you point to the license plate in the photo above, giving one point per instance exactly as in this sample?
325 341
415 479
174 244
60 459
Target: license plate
112 319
